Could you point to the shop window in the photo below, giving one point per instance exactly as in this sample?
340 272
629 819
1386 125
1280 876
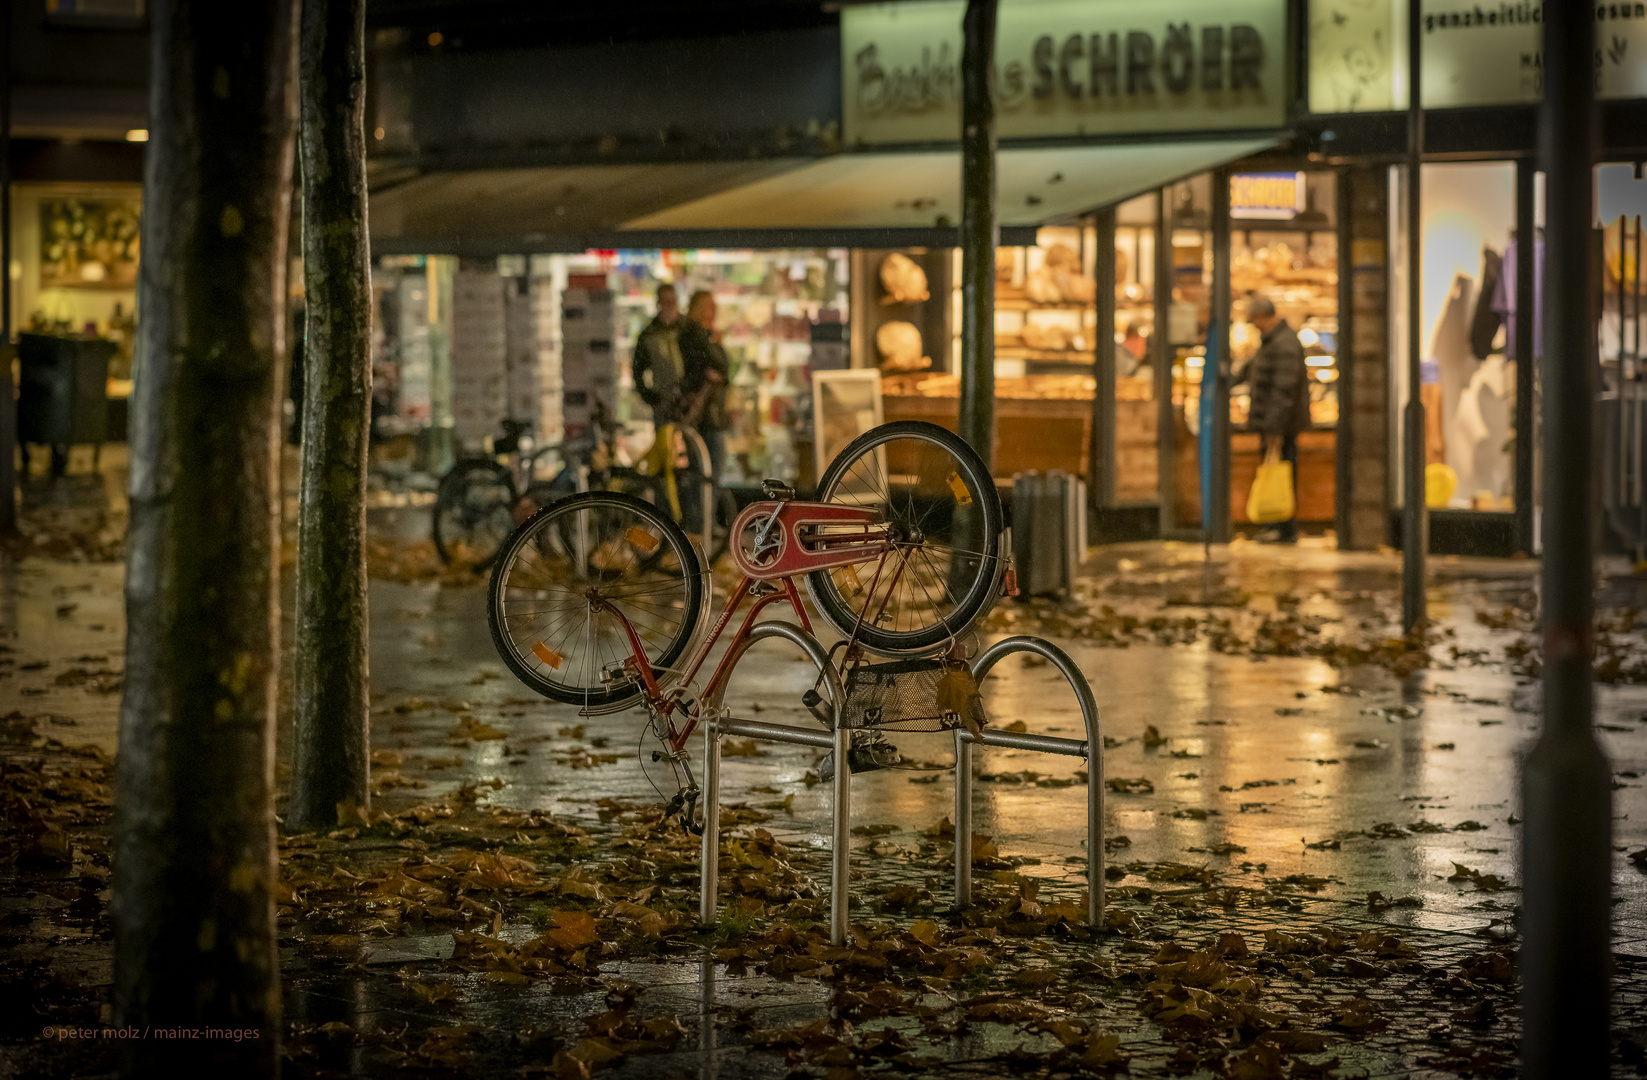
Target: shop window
1136 415
1468 265
768 303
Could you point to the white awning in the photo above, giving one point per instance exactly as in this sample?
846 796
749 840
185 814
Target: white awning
922 189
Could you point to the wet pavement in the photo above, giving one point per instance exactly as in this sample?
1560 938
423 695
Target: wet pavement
1256 753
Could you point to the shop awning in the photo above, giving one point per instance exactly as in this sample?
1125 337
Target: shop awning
921 190
550 208
905 199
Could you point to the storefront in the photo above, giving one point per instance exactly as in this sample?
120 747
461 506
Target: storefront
1149 181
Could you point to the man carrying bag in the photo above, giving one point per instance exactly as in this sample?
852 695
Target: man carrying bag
1279 382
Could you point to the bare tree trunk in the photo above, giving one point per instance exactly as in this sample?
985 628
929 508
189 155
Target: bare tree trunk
331 709
194 856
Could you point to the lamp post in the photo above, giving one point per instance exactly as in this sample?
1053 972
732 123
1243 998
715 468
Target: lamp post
980 232
1566 783
1415 517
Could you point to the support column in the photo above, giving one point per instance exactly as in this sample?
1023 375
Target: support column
1215 516
1526 357
980 233
8 398
1101 485
1344 437
1162 352
1415 517
1566 790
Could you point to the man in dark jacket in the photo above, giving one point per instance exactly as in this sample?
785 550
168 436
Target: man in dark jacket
1279 383
657 366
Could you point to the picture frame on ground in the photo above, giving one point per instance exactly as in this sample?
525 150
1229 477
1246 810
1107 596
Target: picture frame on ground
845 404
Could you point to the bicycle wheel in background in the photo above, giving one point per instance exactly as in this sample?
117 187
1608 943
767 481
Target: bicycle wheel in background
944 518
473 512
542 608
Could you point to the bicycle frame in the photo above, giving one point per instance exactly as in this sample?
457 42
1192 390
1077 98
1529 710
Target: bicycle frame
794 552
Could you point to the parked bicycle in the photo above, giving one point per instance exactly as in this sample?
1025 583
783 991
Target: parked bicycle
485 497
596 599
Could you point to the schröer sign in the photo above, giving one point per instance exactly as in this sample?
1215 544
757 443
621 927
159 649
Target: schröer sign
1067 67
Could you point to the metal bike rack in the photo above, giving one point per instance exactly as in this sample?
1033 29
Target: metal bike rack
839 740
707 495
1091 748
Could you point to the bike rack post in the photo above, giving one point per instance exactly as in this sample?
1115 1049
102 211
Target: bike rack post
707 500
1092 748
837 739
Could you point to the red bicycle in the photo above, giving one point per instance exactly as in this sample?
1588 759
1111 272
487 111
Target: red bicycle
595 599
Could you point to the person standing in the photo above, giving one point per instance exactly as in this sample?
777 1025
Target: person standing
657 366
1279 382
707 375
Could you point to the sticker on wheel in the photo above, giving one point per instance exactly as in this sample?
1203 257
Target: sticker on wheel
958 486
547 655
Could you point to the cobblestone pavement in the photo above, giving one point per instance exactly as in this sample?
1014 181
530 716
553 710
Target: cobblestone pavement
1252 791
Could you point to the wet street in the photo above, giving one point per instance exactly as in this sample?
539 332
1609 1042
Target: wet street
1262 778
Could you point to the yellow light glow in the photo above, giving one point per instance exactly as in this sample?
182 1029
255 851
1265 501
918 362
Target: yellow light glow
435 39
137 135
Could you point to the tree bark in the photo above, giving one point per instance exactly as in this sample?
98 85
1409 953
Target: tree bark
330 766
194 854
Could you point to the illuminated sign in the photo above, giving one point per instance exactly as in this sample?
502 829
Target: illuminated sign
1067 68
1473 53
1278 196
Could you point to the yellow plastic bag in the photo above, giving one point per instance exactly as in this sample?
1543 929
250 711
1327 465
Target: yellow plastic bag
1440 481
1270 499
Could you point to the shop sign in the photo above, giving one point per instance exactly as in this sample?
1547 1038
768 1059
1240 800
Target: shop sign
1277 196
1067 68
1473 53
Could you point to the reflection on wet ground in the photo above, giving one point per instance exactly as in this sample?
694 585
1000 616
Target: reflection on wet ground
1284 772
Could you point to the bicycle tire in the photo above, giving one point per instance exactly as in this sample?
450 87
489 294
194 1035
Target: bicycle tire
548 525
979 570
453 500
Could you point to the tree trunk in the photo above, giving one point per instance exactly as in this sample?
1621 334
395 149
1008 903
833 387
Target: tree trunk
329 772
194 855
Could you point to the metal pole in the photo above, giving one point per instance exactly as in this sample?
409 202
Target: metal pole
1527 351
1101 486
710 855
980 233
8 400
963 819
1163 354
1344 436
1215 377
840 863
1415 517
1092 749
1566 785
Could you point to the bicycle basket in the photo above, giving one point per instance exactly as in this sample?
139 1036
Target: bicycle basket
904 694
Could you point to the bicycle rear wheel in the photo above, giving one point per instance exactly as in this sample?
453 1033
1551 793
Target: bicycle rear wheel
473 513
564 578
943 515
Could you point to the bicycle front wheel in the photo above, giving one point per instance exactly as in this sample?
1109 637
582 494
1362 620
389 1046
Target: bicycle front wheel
473 515
938 503
570 580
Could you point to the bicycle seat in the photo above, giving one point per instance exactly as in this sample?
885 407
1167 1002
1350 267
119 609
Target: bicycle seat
777 489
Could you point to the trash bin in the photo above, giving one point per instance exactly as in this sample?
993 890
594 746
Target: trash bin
63 393
1048 531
